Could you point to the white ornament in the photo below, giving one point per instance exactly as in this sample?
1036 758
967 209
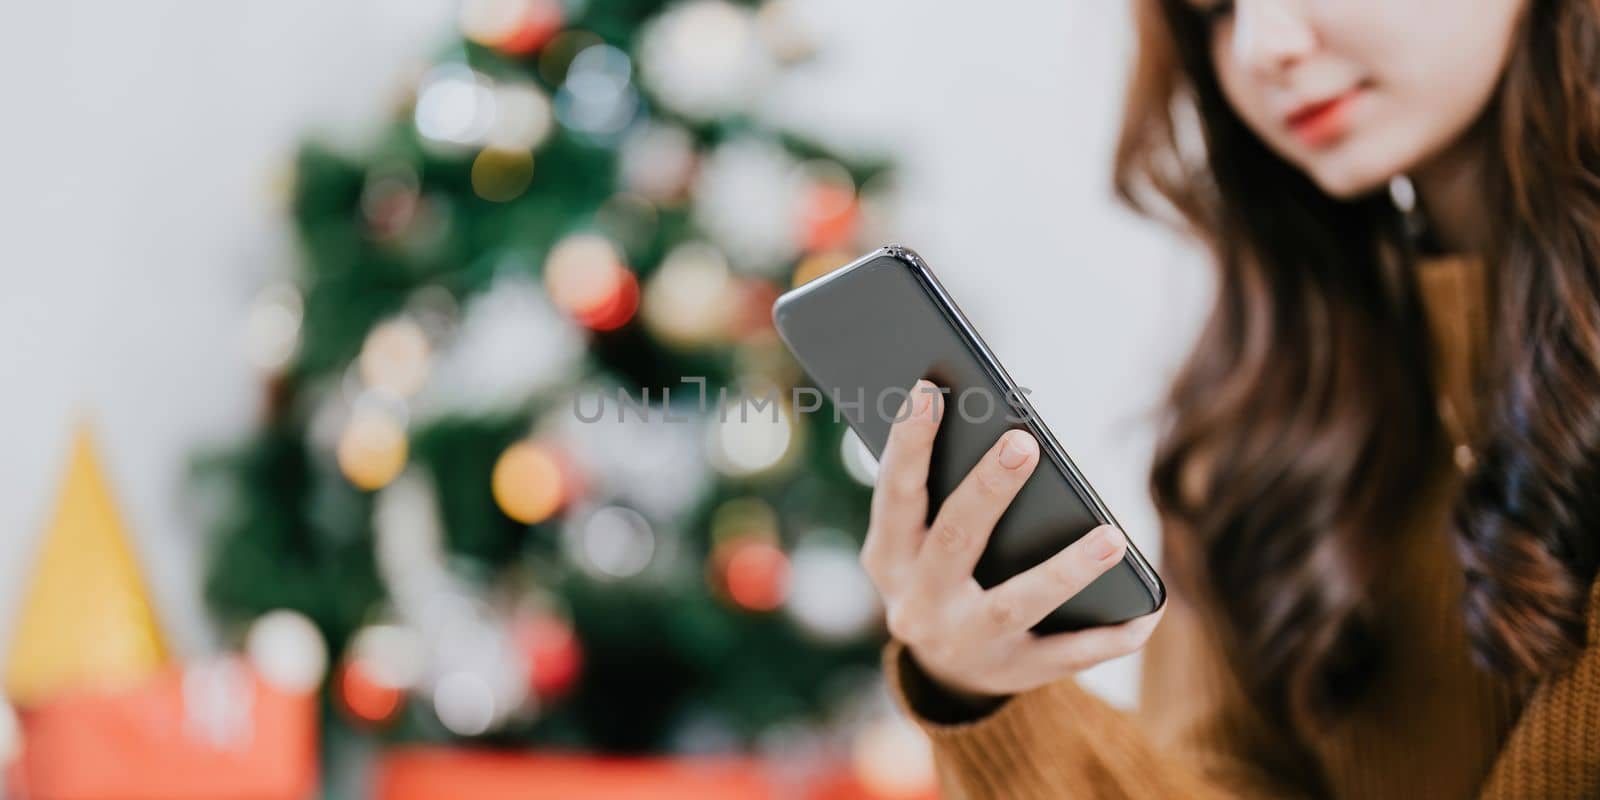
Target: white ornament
287 650
598 98
455 105
646 454
522 117
748 195
750 435
705 59
448 639
610 542
272 327
512 343
830 596
465 703
656 160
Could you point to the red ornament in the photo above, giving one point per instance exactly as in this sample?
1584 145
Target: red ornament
618 308
553 655
828 217
754 573
539 22
364 699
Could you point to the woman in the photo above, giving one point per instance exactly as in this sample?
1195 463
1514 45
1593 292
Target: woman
1379 477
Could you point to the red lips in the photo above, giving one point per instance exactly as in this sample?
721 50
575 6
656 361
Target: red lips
1322 122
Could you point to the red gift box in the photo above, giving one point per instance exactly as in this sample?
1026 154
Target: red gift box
433 773
209 732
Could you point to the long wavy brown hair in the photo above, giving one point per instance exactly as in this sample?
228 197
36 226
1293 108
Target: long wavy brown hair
1304 421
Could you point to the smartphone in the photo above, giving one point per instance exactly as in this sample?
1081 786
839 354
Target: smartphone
867 331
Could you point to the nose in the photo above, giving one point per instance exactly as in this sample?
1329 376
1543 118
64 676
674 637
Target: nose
1270 36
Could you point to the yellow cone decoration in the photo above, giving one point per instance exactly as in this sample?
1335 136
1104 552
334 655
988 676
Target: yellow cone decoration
86 621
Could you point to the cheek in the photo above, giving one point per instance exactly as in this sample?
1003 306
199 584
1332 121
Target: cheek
1438 67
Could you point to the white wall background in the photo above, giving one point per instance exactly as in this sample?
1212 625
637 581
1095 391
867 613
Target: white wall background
143 148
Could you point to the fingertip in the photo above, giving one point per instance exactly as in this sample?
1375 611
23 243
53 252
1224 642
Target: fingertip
917 401
928 400
1105 543
1017 447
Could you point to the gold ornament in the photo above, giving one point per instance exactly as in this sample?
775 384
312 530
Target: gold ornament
372 450
501 175
528 483
689 301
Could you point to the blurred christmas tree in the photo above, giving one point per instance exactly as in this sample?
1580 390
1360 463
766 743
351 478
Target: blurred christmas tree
578 201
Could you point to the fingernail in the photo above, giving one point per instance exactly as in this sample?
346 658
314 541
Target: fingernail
1016 450
1105 543
924 398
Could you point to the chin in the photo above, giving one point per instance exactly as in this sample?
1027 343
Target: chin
1360 164
1347 181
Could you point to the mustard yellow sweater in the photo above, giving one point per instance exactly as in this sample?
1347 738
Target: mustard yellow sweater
1433 726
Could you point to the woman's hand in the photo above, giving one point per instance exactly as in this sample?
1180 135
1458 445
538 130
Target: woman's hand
972 641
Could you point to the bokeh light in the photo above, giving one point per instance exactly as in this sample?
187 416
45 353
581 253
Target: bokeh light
501 175
465 703
688 301
528 482
372 448
827 215
830 596
586 278
597 97
612 542
512 26
755 573
363 697
455 105
287 650
751 436
523 117
395 356
272 327
552 653
657 161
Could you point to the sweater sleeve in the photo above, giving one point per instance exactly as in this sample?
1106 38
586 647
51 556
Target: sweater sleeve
1554 748
1192 736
